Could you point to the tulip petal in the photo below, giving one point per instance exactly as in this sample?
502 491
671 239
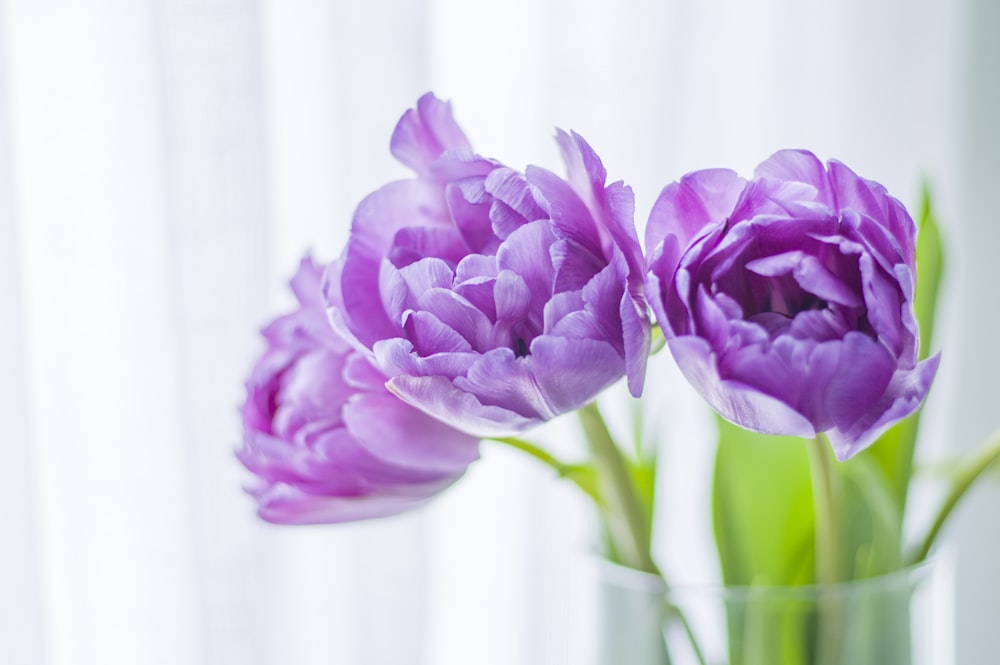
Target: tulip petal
397 356
903 396
799 166
532 254
324 437
570 216
569 373
460 315
684 209
737 402
405 437
429 335
517 206
424 133
637 342
286 504
436 396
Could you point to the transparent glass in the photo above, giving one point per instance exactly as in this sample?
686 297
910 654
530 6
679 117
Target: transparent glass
904 618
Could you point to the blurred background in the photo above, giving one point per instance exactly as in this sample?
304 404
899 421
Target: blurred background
164 164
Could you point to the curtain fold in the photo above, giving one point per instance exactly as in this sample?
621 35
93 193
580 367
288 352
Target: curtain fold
21 593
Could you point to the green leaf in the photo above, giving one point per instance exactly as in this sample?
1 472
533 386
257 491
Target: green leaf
893 452
763 508
872 535
765 532
765 529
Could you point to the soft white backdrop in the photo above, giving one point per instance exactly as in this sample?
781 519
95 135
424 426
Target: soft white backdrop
163 164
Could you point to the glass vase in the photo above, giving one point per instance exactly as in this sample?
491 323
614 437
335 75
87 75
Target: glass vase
903 618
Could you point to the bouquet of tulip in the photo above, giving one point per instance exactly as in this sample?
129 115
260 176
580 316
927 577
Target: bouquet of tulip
475 301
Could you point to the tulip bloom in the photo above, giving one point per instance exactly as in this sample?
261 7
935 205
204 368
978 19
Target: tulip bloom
327 441
787 299
494 300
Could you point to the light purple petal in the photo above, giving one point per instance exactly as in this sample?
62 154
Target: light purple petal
460 315
526 253
500 378
285 504
798 166
637 340
473 220
884 304
480 294
571 373
584 171
429 335
424 133
512 297
416 242
819 325
379 217
436 396
476 265
601 317
810 274
559 307
403 436
571 218
574 265
903 396
800 292
864 372
741 404
361 374
394 293
660 274
612 207
397 356
684 209
426 274
514 204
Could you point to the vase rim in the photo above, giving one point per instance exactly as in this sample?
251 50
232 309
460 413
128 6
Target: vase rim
910 575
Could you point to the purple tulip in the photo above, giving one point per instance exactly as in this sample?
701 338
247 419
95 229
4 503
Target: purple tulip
787 300
495 300
325 438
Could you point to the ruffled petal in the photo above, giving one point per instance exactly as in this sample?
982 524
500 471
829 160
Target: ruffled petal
799 166
460 315
637 341
405 437
438 397
903 396
424 133
569 373
397 356
429 335
286 504
739 403
684 209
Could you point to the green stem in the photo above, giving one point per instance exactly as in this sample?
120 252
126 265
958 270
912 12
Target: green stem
966 476
628 525
826 502
615 496
657 340
827 510
573 472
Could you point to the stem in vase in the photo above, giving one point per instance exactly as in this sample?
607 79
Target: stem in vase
626 520
829 527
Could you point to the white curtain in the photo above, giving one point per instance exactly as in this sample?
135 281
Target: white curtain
164 163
